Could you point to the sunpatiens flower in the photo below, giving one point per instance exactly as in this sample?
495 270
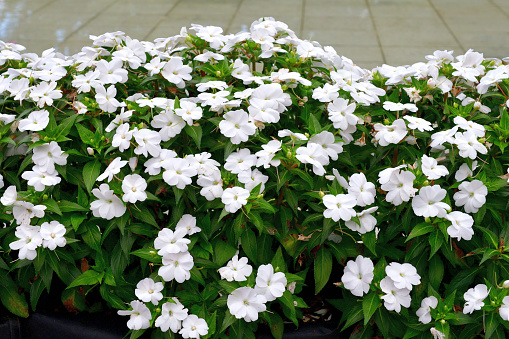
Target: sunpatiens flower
194 327
504 309
36 121
398 106
134 187
234 198
236 269
10 196
39 179
169 241
147 290
431 169
474 298
428 202
394 297
468 145
172 315
176 266
29 239
403 275
341 113
472 195
269 284
399 187
52 234
24 211
188 222
464 171
362 189
108 205
236 126
140 316
391 134
424 312
367 221
358 275
122 137
148 142
461 225
176 72
189 111
47 155
339 206
240 161
112 169
106 98
178 172
245 303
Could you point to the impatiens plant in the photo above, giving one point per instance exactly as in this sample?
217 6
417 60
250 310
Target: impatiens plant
205 185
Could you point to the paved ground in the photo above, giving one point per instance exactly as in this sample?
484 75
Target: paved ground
370 32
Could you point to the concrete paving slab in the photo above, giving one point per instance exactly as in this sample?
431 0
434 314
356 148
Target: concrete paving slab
396 56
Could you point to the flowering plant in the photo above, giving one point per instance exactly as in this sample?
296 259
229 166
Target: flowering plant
201 184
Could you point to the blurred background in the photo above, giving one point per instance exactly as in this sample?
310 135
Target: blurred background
370 32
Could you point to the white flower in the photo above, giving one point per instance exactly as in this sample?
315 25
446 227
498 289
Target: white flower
122 137
504 309
36 121
234 198
176 266
431 169
169 241
461 225
189 111
194 327
47 155
474 127
341 113
362 189
236 126
188 222
436 333
134 187
176 72
398 106
40 179
391 134
172 314
394 297
424 312
240 161
140 316
24 211
236 269
108 206
29 239
418 123
112 169
358 275
147 290
251 178
403 275
339 206
367 221
399 187
464 171
106 98
313 154
245 303
468 145
148 142
428 202
10 196
269 284
178 172
52 234
474 298
472 195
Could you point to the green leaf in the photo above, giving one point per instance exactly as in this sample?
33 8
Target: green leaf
369 240
223 252
91 171
195 133
149 254
52 206
436 271
64 127
276 324
504 121
86 135
263 205
322 268
73 300
313 125
436 239
89 277
68 206
143 214
228 320
305 176
13 301
420 229
355 315
35 292
92 236
489 235
248 241
488 254
369 305
287 300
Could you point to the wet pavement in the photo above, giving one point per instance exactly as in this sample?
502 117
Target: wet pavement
370 32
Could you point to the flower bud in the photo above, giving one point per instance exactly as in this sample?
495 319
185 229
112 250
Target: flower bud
431 83
505 284
218 74
284 87
477 105
289 154
442 321
90 151
321 194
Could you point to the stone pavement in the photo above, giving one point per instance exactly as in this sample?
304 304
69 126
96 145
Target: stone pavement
370 32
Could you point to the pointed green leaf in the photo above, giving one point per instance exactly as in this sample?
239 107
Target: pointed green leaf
420 229
91 171
323 268
369 305
195 132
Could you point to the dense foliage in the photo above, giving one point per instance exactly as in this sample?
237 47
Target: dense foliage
203 183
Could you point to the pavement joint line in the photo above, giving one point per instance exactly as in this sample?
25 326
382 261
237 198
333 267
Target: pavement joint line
43 6
376 31
165 16
86 22
494 4
227 29
446 25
